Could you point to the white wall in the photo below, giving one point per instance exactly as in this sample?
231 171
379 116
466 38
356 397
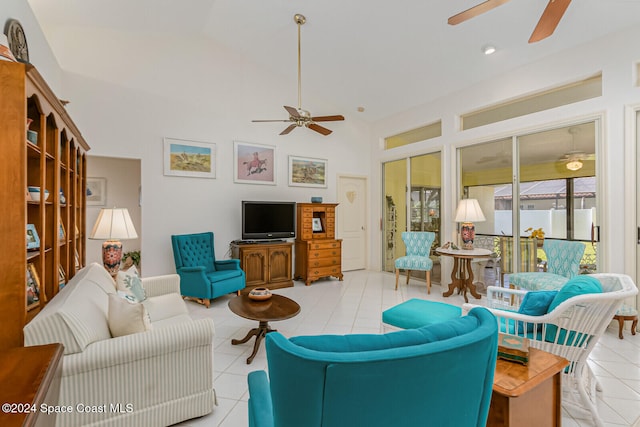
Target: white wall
190 96
123 181
617 67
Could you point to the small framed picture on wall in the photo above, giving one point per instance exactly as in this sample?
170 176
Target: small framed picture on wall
96 191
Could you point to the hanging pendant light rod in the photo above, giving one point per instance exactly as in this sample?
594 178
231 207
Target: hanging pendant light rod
300 20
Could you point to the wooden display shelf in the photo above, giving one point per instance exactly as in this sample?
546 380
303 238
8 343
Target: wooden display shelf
25 95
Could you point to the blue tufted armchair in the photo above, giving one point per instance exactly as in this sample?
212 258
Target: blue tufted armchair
401 379
418 247
201 276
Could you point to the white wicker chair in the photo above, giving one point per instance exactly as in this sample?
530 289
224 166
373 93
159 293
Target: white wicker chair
587 315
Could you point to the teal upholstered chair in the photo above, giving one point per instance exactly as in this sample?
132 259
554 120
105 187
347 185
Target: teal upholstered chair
405 378
201 276
401 379
563 263
418 247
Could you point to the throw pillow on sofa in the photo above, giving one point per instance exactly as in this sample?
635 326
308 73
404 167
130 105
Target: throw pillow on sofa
129 282
126 317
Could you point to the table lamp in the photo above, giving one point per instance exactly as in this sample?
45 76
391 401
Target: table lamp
467 213
113 225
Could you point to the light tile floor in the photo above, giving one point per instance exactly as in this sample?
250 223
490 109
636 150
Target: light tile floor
354 306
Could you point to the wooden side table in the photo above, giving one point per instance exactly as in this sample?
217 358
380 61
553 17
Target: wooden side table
626 314
462 274
528 396
30 375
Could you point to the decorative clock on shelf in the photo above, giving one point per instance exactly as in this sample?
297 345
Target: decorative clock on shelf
17 40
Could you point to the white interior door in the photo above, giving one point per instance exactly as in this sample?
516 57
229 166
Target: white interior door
352 219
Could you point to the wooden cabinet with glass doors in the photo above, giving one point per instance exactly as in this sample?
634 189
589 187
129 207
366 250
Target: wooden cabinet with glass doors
43 231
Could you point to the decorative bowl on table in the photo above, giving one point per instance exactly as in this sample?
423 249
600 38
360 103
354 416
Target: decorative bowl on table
259 294
34 192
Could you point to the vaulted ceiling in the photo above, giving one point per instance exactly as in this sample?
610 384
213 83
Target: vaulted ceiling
385 56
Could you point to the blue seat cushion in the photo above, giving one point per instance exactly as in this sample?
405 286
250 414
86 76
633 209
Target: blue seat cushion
416 313
412 262
220 275
538 281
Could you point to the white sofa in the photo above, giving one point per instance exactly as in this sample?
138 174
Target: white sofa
155 378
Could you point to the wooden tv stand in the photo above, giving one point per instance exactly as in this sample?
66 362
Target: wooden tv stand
267 264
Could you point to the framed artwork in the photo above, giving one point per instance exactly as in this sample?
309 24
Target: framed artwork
96 191
33 240
189 158
316 225
33 285
254 163
307 172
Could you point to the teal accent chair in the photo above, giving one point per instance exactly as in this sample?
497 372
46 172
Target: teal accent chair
401 379
418 247
563 263
201 276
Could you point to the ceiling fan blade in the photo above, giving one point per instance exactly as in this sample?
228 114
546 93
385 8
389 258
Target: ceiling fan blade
292 111
288 129
265 121
549 20
319 129
328 118
475 11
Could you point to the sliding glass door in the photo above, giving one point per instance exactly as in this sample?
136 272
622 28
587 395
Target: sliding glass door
412 189
550 181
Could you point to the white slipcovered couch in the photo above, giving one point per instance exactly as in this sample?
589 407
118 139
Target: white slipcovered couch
154 378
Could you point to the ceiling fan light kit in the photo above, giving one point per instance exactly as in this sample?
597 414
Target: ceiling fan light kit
299 117
574 165
546 25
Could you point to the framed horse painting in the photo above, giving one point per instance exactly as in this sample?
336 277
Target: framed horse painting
307 172
254 163
189 158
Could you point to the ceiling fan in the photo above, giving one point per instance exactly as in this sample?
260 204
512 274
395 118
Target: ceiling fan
573 159
503 156
546 25
297 116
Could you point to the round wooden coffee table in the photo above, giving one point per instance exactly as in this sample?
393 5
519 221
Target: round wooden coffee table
275 308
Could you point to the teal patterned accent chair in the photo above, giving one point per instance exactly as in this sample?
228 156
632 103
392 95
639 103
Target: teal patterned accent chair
201 275
563 263
400 379
418 247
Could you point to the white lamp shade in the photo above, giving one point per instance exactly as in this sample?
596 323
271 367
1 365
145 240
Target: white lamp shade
469 211
113 224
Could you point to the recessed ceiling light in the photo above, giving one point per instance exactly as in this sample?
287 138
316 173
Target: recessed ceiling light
488 49
360 109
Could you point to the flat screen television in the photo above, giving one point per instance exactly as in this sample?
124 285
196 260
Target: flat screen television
268 220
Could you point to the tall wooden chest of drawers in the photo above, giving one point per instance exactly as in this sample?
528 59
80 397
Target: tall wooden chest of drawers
318 252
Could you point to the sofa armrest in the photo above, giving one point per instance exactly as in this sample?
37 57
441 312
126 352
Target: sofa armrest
128 349
160 285
228 264
260 405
